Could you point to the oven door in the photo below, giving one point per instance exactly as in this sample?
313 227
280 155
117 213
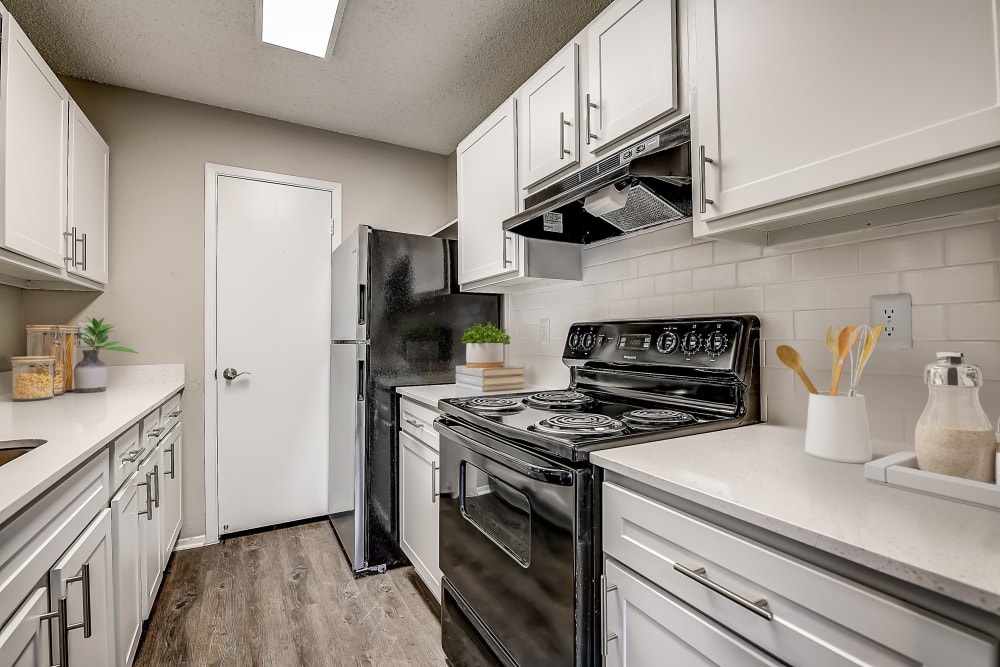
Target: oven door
509 530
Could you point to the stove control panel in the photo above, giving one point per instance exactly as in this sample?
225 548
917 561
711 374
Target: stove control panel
691 342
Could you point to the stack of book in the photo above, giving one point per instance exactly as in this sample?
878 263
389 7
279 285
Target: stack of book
507 378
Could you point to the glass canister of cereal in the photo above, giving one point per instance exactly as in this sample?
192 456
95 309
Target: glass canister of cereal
69 336
32 377
49 341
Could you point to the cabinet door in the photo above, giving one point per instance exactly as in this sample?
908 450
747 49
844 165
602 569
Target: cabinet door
487 195
151 556
784 109
632 69
170 491
547 130
646 627
24 640
88 199
83 577
34 106
418 509
125 508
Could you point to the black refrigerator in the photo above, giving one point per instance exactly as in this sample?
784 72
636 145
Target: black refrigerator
398 318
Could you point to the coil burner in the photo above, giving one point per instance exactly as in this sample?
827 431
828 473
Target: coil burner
656 419
494 405
559 400
580 425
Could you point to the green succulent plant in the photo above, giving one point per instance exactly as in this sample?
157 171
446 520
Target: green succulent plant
95 336
485 332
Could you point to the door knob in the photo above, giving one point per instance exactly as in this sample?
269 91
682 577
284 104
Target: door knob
231 374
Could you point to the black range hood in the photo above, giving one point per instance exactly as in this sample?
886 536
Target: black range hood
646 184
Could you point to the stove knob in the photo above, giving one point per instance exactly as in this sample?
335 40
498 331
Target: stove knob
667 342
588 342
690 342
716 343
574 340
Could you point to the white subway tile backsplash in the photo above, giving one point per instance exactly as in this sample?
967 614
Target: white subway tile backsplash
608 291
618 310
602 273
740 300
693 256
714 277
636 246
675 236
694 303
952 284
566 296
777 325
985 354
857 291
660 262
825 263
974 321
794 296
672 283
929 322
636 287
602 254
903 252
979 243
814 323
731 251
655 306
764 271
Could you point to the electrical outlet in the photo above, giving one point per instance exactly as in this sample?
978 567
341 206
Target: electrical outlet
894 313
543 330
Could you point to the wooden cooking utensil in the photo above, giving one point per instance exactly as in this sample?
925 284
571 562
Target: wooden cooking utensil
870 342
831 344
790 357
844 350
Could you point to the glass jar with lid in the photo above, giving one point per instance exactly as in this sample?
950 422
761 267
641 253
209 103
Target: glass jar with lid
49 341
69 336
32 377
954 436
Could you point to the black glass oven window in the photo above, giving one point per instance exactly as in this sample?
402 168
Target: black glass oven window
498 510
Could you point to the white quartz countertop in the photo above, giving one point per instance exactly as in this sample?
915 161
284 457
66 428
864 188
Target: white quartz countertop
761 475
76 427
429 395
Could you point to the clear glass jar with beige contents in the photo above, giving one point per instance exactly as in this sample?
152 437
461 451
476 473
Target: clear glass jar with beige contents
32 378
954 436
49 341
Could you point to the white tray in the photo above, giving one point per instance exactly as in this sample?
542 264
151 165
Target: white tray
900 470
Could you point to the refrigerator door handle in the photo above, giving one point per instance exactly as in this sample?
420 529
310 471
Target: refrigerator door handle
361 305
361 380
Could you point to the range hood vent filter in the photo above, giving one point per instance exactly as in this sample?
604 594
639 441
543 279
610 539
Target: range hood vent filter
644 208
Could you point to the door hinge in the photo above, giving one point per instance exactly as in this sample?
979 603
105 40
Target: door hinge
333 226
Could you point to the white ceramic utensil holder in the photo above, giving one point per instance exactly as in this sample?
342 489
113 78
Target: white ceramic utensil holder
837 428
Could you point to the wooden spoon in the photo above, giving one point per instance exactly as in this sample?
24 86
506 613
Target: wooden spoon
831 344
790 357
844 350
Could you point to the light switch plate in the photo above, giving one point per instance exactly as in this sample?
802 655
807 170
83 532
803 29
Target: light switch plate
894 313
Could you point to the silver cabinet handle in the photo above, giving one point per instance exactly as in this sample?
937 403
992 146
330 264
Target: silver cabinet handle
759 607
71 247
702 159
434 491
156 484
87 622
177 412
605 635
506 262
154 433
413 422
230 374
590 105
132 455
563 151
170 450
83 241
59 616
149 498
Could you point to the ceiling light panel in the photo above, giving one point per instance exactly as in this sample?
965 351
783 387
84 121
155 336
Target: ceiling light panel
300 25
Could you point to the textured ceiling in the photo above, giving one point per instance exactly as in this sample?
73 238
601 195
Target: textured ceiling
418 73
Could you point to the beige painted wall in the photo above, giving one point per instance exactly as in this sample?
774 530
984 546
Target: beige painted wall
159 147
12 341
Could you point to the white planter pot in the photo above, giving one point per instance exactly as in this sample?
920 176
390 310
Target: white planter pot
483 354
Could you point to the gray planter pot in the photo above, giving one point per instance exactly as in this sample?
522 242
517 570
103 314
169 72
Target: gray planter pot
91 374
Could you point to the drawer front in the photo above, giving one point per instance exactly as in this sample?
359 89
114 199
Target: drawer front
33 541
817 617
417 421
152 429
126 452
170 413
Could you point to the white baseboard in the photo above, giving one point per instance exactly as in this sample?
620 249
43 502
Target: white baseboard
190 543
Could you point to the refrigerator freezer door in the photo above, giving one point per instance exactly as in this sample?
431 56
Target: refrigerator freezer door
350 287
348 435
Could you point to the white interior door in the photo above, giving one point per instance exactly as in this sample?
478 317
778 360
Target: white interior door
273 245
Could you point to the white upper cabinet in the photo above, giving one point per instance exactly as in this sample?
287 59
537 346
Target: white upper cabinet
33 119
631 77
487 195
87 223
548 129
793 99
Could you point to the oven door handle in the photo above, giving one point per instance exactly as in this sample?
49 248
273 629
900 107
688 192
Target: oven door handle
547 475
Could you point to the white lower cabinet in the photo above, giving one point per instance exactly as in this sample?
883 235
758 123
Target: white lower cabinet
419 474
673 579
170 491
24 640
80 587
125 508
150 555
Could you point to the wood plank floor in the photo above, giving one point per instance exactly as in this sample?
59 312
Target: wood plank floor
286 598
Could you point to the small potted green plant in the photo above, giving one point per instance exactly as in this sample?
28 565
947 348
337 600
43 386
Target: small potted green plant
91 374
484 345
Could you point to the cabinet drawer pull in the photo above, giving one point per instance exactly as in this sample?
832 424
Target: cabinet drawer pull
563 151
413 422
170 450
702 159
149 498
156 484
434 491
71 246
759 607
86 623
175 413
590 105
132 455
83 241
605 635
506 262
59 616
154 433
